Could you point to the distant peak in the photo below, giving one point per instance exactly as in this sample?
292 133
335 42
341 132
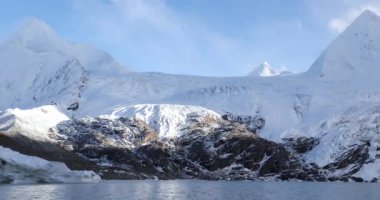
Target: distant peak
37 36
263 70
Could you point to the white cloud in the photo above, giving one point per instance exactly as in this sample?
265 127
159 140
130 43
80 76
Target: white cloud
337 25
117 17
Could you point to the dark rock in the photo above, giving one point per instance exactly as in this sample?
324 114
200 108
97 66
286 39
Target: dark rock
73 107
45 150
253 123
357 179
355 156
301 144
231 151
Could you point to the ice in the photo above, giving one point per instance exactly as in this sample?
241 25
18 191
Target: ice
17 168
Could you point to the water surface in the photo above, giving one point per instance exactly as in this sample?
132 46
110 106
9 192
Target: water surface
194 189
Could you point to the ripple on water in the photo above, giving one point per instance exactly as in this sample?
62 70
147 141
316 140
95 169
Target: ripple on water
194 189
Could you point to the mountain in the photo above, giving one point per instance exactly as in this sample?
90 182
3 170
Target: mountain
263 70
37 37
354 54
322 123
53 70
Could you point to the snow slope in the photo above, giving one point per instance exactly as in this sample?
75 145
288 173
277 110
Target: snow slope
39 38
17 168
32 123
167 120
344 131
51 71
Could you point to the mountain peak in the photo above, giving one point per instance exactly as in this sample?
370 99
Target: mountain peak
37 36
368 14
266 64
366 18
354 53
263 70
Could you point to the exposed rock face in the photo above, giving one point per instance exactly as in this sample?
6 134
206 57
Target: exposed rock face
129 149
349 163
253 123
235 153
301 144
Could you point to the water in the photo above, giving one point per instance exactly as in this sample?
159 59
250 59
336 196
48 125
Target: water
180 189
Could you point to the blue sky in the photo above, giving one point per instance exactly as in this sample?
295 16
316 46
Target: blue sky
197 37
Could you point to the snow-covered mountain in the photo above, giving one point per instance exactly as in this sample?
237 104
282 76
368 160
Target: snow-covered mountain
312 112
354 54
38 67
263 70
37 37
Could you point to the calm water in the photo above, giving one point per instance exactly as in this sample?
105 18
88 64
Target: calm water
194 190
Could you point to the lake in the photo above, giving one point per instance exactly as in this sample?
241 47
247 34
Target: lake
194 189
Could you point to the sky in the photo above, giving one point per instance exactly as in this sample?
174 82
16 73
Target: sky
195 37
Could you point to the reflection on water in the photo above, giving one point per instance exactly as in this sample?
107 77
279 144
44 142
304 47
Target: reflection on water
180 189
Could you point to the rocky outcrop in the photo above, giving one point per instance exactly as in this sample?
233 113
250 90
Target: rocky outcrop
127 148
253 123
301 144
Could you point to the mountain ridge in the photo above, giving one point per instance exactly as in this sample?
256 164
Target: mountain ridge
353 54
308 118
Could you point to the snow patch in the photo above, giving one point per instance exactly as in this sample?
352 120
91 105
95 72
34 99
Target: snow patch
167 119
369 171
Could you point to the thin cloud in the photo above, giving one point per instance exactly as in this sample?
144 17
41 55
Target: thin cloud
118 17
160 31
